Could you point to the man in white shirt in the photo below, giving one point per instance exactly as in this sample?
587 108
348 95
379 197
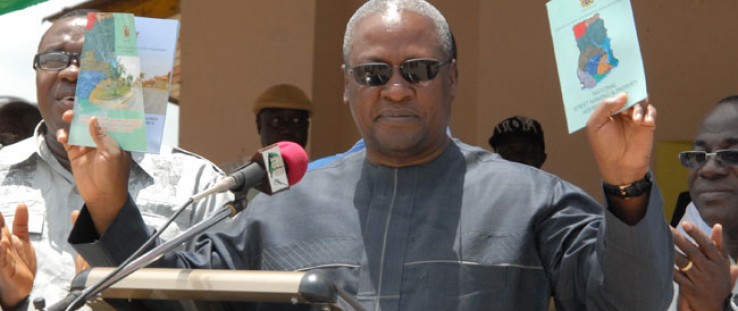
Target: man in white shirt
36 172
704 271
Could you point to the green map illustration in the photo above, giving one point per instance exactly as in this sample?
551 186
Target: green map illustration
109 83
596 58
110 63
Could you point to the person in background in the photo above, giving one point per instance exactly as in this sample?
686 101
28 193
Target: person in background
519 139
38 193
283 114
18 118
707 236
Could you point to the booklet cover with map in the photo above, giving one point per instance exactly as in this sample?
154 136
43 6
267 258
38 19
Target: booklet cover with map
597 55
109 83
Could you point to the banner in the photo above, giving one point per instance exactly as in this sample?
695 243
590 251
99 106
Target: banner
7 6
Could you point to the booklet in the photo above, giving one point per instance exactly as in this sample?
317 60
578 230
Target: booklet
597 55
135 111
109 83
157 44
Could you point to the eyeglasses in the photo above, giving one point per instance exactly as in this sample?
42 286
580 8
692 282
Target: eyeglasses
697 159
54 60
414 71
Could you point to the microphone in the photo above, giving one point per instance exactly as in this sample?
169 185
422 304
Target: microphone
272 169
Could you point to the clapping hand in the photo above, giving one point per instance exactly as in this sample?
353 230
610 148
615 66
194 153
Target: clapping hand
17 260
703 271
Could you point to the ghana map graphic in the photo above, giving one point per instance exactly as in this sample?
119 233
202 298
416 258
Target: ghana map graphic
596 58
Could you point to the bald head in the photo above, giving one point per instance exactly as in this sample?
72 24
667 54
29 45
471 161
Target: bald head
77 20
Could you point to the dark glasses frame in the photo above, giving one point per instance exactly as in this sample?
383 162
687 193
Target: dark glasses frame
697 159
414 71
69 58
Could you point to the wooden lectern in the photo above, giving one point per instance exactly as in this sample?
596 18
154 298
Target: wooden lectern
222 285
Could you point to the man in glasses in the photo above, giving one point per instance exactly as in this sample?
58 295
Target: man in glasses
283 114
708 239
36 172
421 221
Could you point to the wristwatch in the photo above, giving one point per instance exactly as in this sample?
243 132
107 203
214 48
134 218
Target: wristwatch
631 190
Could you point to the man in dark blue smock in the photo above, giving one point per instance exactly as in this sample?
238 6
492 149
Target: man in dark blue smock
418 220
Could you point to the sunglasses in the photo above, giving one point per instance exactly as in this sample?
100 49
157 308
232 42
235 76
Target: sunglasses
697 159
414 71
54 61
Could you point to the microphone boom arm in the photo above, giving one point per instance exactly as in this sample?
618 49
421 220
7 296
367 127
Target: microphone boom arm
152 255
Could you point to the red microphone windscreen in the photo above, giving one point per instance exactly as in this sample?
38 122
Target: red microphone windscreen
296 160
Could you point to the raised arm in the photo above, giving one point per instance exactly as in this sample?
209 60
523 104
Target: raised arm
101 174
622 146
623 260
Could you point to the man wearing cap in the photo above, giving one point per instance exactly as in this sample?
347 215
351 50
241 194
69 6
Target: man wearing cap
519 139
283 114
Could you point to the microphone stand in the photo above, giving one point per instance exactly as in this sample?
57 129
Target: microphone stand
147 258
249 174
